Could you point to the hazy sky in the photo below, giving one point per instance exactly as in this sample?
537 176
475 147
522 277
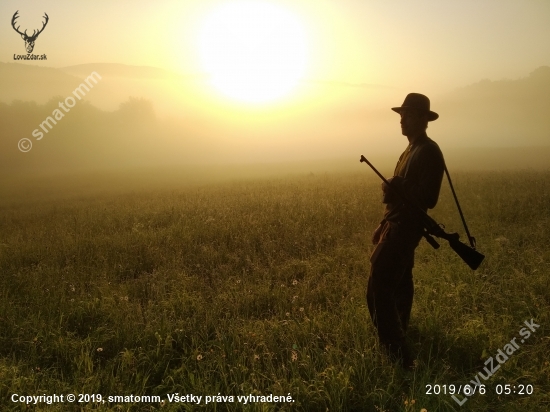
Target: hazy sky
422 45
278 77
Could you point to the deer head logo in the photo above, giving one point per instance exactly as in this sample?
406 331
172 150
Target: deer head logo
29 40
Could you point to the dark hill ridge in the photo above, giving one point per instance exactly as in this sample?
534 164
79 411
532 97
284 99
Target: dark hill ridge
536 83
499 113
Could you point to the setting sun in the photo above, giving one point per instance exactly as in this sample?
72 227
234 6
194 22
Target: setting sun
254 52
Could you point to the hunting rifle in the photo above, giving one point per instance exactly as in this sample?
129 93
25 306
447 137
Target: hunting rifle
431 228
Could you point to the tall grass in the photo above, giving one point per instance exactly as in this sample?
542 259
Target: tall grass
257 287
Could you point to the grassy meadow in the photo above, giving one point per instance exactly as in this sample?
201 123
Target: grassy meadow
257 286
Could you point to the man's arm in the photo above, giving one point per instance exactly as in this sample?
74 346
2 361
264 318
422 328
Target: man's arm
424 184
377 233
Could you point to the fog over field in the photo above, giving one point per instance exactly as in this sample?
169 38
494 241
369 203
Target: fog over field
134 117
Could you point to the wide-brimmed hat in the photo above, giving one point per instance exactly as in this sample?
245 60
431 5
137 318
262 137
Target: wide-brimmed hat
419 102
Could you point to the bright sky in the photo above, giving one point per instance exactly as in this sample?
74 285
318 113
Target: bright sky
424 45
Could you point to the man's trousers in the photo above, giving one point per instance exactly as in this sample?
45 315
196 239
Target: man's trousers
390 287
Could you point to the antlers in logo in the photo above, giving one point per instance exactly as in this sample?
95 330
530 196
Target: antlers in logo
29 40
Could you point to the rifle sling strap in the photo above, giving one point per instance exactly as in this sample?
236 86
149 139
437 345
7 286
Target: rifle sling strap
471 239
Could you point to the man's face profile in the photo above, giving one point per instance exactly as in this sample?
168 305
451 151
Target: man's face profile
412 122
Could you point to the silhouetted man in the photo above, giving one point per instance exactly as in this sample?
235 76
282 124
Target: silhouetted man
418 176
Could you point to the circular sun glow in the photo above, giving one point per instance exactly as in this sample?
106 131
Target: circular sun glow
254 51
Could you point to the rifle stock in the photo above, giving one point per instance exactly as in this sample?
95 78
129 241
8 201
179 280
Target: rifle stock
468 254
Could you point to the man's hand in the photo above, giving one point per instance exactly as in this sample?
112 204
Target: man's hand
376 235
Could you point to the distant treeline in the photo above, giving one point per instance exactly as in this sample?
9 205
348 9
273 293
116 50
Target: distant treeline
82 136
